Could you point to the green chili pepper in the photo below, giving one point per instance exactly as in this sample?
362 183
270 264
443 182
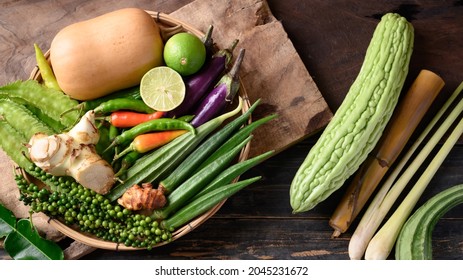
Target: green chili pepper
83 107
152 125
113 132
127 161
104 142
22 119
117 104
46 72
158 163
186 118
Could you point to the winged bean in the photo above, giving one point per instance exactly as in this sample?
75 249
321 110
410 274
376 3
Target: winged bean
22 119
51 102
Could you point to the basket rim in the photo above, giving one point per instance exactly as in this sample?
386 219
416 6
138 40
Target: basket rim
93 241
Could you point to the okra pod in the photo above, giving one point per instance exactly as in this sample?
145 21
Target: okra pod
232 172
196 182
204 203
242 134
154 165
187 167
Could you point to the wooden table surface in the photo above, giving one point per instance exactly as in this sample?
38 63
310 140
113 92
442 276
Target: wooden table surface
331 38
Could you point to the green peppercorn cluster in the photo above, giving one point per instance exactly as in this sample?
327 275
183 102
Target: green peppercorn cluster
91 212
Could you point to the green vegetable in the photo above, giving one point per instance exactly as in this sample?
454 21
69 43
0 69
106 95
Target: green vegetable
104 142
232 172
7 221
382 243
127 161
56 125
22 241
415 238
188 166
162 124
360 120
204 203
85 106
393 186
50 101
91 212
242 134
118 104
12 143
22 119
46 72
196 182
156 164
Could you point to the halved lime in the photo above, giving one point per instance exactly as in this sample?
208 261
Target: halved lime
162 89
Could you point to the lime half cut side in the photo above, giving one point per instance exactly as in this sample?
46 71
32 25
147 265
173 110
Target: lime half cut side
162 88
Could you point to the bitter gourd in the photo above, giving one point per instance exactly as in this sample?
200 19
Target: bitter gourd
360 120
415 239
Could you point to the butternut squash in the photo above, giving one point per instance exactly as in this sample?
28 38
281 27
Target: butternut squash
95 57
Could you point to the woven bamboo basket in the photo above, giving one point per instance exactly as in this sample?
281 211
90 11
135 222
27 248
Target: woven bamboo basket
167 22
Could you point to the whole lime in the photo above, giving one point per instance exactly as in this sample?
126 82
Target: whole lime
185 53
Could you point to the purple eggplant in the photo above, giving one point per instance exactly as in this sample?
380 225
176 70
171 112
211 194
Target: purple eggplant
197 85
223 93
208 42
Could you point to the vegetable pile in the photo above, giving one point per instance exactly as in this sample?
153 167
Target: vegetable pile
110 165
366 136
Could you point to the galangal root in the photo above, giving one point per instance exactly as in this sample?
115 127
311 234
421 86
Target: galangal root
73 154
143 198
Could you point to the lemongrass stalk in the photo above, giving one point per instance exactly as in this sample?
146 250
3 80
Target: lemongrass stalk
377 210
382 243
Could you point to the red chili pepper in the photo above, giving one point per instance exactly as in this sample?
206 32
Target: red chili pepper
146 142
124 119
